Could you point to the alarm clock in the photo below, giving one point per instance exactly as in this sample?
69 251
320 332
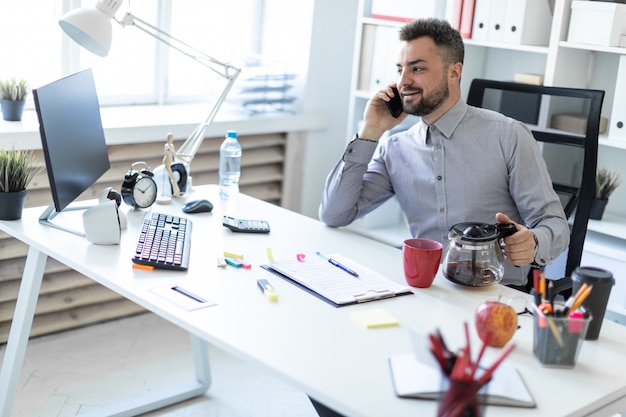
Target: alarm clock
139 189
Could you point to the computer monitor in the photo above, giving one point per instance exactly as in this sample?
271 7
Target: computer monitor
72 139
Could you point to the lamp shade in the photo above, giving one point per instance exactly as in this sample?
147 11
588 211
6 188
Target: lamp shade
90 27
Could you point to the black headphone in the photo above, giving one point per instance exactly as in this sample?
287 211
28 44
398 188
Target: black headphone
110 194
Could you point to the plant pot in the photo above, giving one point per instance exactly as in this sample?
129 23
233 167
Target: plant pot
11 205
597 209
12 110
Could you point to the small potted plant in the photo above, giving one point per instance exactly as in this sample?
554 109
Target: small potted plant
606 182
17 169
12 97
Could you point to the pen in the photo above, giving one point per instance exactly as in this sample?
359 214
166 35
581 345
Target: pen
188 294
345 268
267 289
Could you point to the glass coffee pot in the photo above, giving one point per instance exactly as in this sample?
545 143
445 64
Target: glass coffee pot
474 257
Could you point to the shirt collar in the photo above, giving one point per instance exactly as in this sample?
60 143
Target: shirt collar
448 123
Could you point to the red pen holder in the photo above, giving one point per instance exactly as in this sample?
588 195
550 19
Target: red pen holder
461 398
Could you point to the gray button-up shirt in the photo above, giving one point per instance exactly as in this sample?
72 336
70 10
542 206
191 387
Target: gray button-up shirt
467 166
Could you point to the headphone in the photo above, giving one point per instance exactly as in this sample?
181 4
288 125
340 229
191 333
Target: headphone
104 223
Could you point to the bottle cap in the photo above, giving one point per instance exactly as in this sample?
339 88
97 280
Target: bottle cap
231 134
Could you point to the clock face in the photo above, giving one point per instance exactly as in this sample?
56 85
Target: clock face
145 192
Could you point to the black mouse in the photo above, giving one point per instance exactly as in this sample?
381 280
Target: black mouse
198 206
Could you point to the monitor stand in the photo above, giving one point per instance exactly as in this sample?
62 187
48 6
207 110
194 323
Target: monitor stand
50 213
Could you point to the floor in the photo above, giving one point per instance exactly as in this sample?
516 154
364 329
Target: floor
74 372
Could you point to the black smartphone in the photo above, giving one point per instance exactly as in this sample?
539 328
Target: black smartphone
395 104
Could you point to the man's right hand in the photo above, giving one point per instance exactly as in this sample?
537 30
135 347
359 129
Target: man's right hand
376 118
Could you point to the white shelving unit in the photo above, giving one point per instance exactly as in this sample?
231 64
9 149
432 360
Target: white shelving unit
562 63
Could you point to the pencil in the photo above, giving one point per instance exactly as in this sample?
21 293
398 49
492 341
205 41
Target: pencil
579 300
573 298
487 374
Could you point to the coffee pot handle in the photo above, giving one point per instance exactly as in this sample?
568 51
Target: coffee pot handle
505 230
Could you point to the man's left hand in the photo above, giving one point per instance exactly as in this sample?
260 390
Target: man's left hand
519 248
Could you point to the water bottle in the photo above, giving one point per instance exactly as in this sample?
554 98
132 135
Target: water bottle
230 166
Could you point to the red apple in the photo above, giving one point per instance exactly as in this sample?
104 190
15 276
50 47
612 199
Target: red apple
496 322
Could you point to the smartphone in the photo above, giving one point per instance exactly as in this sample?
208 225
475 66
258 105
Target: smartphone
395 104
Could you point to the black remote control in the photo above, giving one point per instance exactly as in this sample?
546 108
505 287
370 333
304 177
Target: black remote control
246 225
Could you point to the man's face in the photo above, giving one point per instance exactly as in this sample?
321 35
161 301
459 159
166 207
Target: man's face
422 77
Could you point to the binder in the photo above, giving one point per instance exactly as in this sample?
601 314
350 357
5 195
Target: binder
384 57
528 22
480 24
467 18
454 9
497 20
617 129
337 284
366 57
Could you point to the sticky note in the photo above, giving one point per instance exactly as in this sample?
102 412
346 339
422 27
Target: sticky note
377 317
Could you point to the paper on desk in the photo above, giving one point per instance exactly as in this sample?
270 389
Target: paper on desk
337 285
377 317
187 296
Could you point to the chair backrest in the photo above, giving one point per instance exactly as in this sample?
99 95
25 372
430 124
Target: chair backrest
566 122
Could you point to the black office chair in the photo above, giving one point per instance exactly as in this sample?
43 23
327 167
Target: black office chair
567 122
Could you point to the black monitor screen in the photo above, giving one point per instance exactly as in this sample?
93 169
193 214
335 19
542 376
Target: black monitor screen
72 136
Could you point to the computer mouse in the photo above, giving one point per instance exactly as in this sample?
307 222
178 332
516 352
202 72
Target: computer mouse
198 206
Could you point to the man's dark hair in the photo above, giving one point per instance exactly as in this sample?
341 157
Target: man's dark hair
445 37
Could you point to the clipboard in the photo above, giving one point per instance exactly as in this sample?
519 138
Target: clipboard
334 284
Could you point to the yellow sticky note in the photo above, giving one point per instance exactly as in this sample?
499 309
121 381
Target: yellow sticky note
377 317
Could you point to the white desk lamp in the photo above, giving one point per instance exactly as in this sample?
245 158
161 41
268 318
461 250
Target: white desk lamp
91 28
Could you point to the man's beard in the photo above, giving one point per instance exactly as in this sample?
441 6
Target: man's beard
429 103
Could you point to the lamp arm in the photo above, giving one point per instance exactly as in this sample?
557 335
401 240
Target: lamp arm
192 143
225 70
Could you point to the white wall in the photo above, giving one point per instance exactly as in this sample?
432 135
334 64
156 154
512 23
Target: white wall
328 90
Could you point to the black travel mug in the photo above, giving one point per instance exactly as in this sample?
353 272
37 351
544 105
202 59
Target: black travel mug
602 282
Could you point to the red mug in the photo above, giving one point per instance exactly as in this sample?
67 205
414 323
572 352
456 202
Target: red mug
421 259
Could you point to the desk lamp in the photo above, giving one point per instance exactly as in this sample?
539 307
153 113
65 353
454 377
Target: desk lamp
91 28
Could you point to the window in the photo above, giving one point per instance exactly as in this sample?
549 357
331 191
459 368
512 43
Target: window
141 70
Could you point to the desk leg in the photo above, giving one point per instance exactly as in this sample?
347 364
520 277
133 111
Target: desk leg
18 340
168 396
20 328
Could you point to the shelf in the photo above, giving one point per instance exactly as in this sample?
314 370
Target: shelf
595 48
612 143
508 46
382 22
610 225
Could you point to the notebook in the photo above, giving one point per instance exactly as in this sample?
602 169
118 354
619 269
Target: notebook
337 284
415 379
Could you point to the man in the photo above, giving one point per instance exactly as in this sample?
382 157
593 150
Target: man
457 163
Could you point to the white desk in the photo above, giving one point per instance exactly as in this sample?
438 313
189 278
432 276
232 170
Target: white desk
301 339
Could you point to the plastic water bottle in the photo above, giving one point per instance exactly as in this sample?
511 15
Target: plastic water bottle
230 166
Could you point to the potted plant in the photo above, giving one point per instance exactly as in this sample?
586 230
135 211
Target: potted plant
606 182
17 169
12 97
